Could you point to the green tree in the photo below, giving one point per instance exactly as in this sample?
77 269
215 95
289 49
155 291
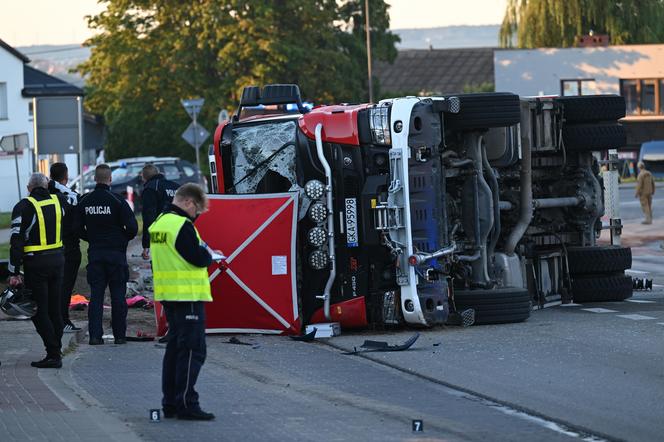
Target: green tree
148 54
556 23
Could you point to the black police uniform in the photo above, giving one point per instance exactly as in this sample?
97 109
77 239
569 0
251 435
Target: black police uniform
158 193
107 224
71 245
186 349
40 253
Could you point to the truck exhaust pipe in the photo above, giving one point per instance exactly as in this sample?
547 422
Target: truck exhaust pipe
526 209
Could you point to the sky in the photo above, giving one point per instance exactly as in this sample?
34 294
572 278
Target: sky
33 22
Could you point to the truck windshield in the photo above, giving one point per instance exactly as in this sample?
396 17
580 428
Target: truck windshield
260 150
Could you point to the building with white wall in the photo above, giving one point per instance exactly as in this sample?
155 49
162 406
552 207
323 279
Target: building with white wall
633 71
16 132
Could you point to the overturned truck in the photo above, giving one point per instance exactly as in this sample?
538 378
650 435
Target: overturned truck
425 211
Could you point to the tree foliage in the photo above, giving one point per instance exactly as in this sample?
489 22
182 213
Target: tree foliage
148 54
556 23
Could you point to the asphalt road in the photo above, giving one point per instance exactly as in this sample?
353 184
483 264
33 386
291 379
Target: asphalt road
278 389
597 368
591 372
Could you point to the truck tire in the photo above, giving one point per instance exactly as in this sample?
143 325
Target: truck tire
589 137
592 108
598 288
484 111
495 306
598 259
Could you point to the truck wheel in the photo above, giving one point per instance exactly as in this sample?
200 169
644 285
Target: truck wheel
589 137
484 111
598 288
592 108
495 306
598 259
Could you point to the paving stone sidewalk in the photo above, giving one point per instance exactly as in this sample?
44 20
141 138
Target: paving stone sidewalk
42 405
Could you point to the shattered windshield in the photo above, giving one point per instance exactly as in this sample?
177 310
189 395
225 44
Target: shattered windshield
260 149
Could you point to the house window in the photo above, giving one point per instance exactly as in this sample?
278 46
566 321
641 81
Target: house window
643 97
3 102
585 86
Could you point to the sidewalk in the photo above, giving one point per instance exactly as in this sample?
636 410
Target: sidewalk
40 404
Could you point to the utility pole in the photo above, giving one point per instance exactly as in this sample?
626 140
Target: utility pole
368 30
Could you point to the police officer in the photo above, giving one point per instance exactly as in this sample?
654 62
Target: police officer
36 243
107 224
58 186
180 260
158 192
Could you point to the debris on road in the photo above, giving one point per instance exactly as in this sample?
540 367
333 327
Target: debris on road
376 346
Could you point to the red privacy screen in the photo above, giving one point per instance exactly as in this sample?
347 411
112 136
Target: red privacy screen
257 293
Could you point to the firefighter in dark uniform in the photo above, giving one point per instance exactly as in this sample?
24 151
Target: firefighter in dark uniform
58 186
180 261
107 224
158 192
36 243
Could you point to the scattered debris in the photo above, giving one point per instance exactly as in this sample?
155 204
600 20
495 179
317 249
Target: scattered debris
374 346
236 341
642 284
78 302
324 330
465 318
141 337
308 337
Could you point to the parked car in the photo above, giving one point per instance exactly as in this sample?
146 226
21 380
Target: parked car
652 155
128 174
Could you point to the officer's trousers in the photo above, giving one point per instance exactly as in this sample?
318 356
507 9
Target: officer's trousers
185 354
43 276
107 268
72 263
646 206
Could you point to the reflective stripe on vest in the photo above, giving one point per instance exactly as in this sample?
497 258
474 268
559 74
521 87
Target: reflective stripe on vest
39 210
174 278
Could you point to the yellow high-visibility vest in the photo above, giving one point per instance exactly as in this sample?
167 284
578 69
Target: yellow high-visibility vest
39 210
175 279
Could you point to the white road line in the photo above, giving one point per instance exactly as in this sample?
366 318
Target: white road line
571 304
599 310
636 317
635 272
640 301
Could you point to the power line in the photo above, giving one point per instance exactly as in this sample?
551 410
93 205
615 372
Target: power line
49 51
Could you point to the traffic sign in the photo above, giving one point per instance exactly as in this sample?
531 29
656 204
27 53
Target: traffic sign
193 106
195 134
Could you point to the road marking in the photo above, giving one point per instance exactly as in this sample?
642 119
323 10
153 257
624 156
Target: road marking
636 317
632 271
660 323
599 310
640 301
571 304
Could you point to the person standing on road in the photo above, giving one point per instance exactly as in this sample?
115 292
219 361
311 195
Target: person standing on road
107 224
36 243
158 193
645 189
180 261
70 240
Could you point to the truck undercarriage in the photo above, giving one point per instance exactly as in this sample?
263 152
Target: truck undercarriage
426 211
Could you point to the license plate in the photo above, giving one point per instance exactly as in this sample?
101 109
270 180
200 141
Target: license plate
351 222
